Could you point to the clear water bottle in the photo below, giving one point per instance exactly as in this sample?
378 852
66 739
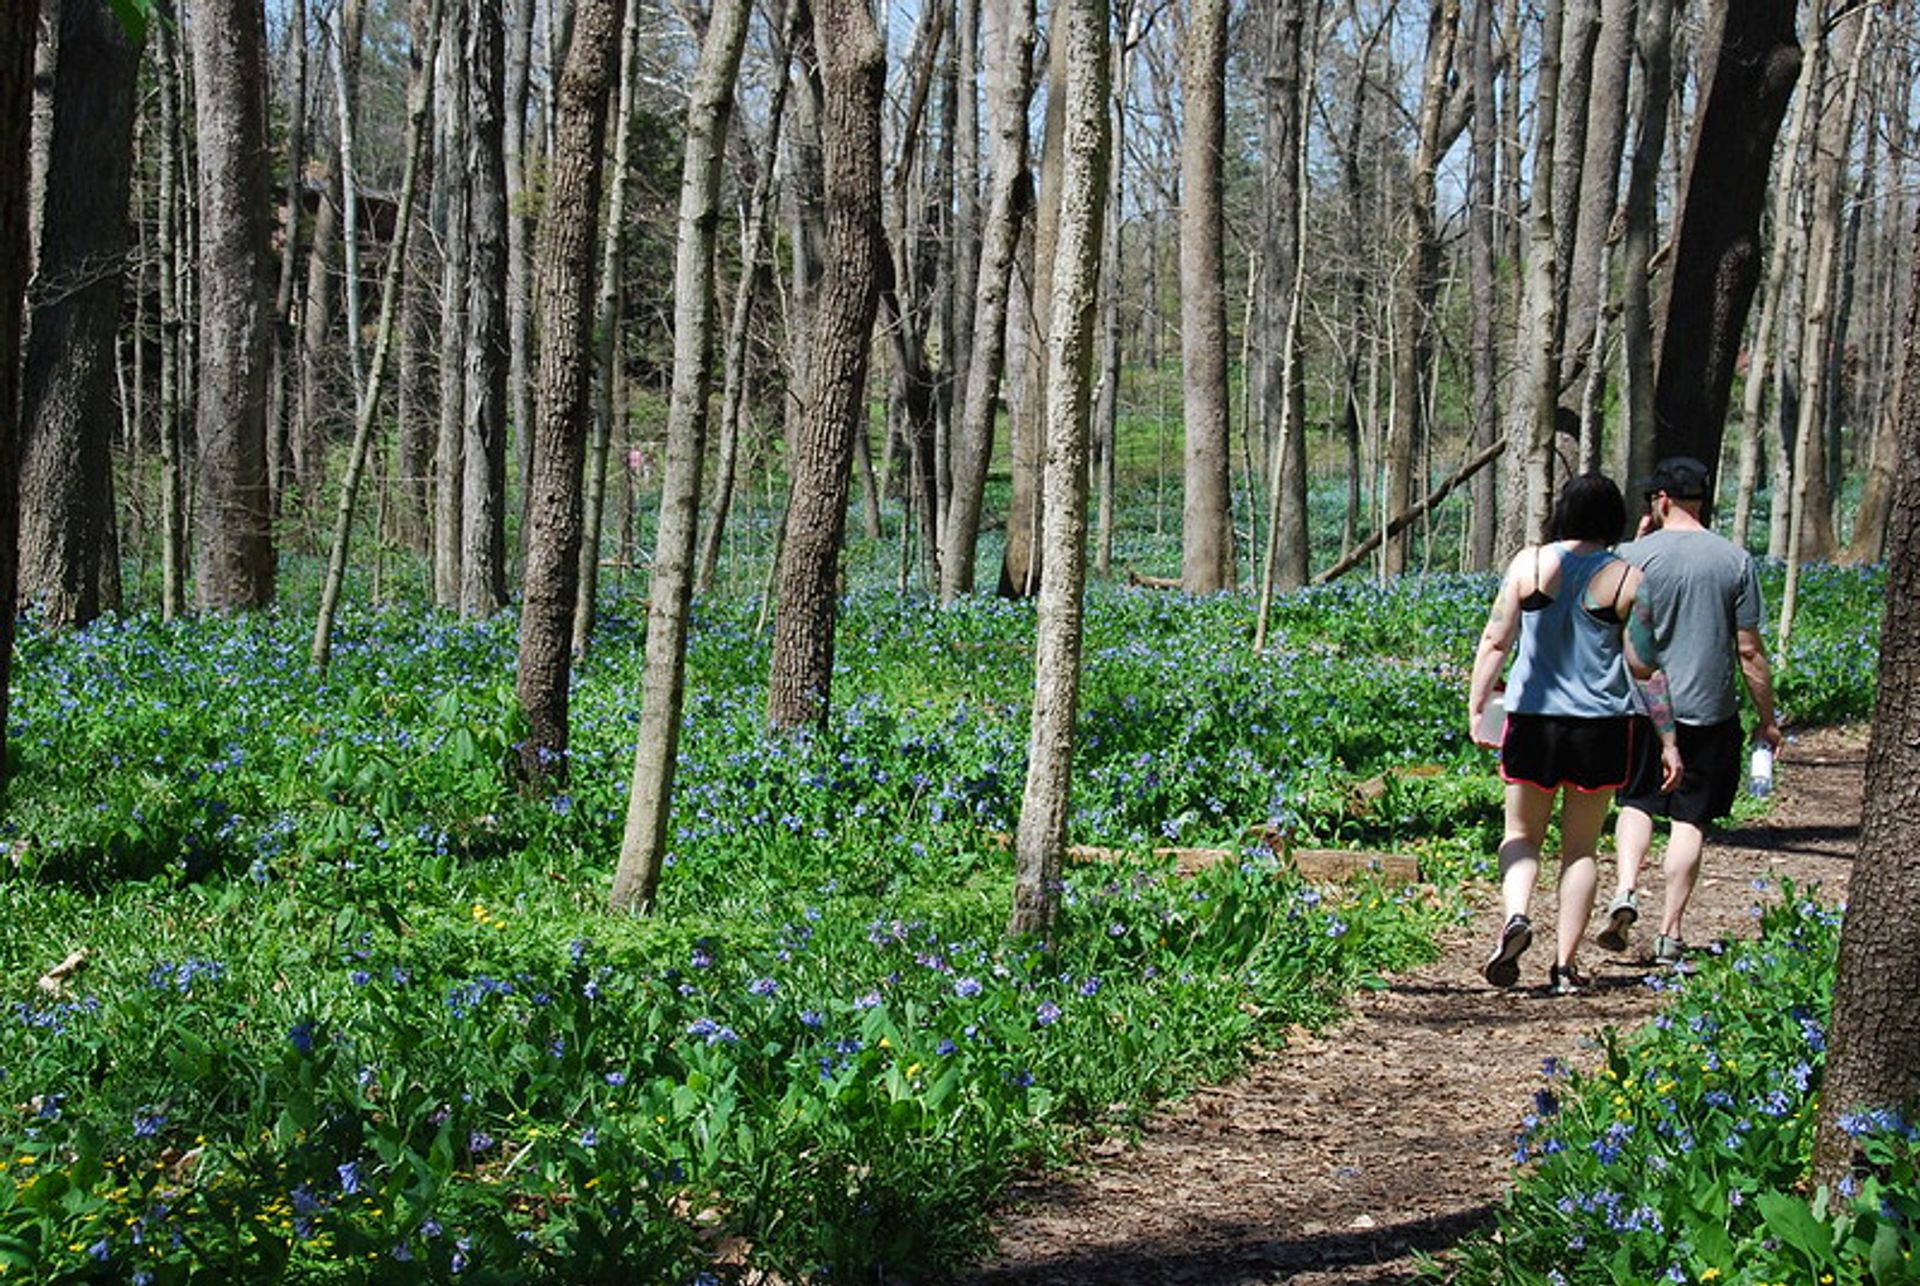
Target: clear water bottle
1760 770
1493 721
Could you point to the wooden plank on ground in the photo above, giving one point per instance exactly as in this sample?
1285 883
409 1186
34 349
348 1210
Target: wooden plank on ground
1320 865
1338 865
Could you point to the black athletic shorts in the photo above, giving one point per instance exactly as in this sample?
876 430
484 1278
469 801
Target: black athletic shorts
1710 764
1550 750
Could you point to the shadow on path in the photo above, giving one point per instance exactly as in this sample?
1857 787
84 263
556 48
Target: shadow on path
1837 843
1240 1254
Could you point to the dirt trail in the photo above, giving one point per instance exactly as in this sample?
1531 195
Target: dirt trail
1336 1160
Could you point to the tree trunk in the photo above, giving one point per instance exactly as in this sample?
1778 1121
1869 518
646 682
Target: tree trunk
173 344
1761 354
449 467
1752 63
963 250
236 563
17 21
1640 238
643 844
1009 87
518 53
416 407
1081 26
68 395
483 539
853 66
1605 139
1874 1057
1786 398
805 199
367 406
1876 492
908 296
40 132
1106 382
563 410
1355 289
1413 353
753 275
306 435
606 342
1812 536
283 402
1206 533
1106 404
319 409
1026 412
1537 393
346 95
1482 264
1282 267
1573 101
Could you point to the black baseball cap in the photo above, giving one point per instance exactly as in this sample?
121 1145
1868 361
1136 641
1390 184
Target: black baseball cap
1681 476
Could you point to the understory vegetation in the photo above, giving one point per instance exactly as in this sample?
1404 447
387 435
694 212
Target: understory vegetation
300 986
1683 1157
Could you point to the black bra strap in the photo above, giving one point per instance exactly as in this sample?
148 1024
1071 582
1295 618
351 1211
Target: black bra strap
1619 587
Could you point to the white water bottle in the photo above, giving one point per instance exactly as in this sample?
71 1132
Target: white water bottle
1493 721
1760 770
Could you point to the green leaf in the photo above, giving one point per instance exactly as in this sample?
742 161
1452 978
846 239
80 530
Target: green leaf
1790 1219
1887 1261
133 15
15 1253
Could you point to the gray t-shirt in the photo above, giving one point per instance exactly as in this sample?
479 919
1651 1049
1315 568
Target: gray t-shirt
1700 589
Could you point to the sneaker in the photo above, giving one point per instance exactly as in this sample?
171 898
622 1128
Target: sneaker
1566 980
1621 913
1503 966
1668 951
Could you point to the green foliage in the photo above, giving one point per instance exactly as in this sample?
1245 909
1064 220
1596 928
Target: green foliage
134 15
352 1010
1683 1157
1835 642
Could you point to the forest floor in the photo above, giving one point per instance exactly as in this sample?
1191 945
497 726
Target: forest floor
1345 1156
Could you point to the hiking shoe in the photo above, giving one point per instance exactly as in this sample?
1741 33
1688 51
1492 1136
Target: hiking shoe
1621 913
1566 980
1503 966
1668 951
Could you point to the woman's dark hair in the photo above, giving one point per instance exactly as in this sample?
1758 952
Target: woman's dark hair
1590 508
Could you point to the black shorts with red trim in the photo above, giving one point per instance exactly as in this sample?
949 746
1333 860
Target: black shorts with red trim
1552 750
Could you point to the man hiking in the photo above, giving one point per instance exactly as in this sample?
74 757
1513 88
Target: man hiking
1704 598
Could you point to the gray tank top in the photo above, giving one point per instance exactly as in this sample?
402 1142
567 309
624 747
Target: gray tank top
1570 661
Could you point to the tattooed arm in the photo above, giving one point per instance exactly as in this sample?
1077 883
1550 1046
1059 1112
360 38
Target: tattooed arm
1643 659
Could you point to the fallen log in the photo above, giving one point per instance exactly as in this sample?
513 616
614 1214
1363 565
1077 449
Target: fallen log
1400 522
